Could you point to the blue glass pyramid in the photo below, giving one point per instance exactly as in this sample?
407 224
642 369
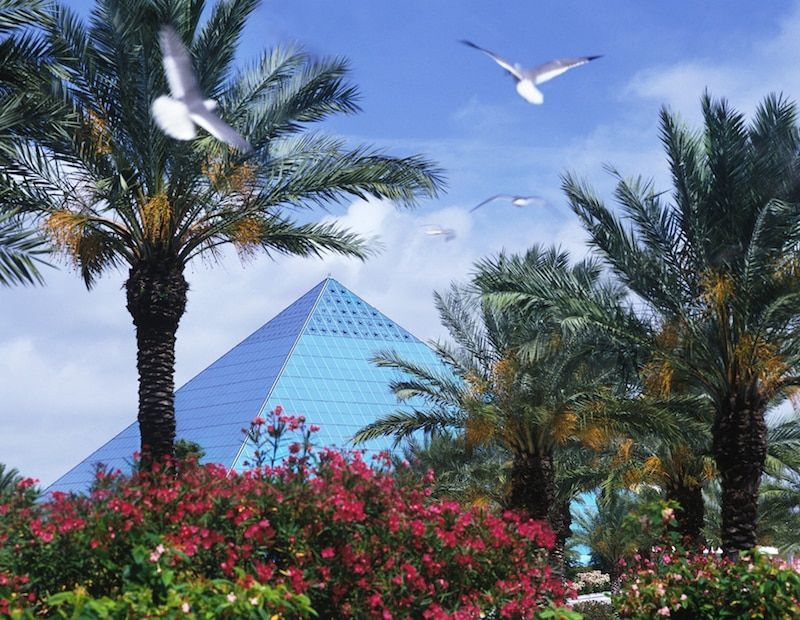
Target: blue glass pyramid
312 359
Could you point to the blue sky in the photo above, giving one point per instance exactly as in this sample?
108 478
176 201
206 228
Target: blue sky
67 356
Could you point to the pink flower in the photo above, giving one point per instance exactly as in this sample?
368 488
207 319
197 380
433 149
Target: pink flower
666 515
664 611
327 552
231 597
185 608
258 421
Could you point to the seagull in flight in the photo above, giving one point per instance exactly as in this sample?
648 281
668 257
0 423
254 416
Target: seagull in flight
517 201
177 115
448 233
528 79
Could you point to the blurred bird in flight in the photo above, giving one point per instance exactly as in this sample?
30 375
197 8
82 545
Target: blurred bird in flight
448 233
177 115
517 201
528 79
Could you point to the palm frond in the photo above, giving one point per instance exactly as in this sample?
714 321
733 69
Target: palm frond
21 251
402 424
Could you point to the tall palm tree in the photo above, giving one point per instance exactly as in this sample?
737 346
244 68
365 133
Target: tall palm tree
718 265
26 65
116 192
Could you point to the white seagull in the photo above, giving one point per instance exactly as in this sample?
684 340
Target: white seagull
517 201
527 79
448 233
178 115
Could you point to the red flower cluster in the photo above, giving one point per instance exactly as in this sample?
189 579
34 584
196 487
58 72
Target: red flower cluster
342 531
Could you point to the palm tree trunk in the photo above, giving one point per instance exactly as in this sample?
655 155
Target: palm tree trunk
560 520
533 484
533 490
740 449
156 292
691 512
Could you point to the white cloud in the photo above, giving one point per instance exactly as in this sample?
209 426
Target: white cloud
744 77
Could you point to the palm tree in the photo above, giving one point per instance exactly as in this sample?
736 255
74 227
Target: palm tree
677 469
718 267
116 192
602 529
26 65
520 384
779 495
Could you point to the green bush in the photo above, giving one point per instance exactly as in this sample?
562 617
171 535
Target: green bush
596 610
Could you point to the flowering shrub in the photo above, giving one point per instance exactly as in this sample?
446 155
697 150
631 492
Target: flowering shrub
589 582
698 586
669 581
333 529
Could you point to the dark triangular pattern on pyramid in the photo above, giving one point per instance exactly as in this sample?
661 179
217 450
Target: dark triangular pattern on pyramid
312 359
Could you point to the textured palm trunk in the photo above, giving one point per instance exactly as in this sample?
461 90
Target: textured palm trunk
533 490
532 484
740 449
560 519
691 514
156 292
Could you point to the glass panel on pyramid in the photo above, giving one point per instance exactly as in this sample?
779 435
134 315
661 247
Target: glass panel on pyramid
312 359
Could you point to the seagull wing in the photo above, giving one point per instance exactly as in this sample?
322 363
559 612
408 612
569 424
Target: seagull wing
554 68
490 199
178 66
218 128
512 69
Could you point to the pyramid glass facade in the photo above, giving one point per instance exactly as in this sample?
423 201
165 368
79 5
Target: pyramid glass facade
312 359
